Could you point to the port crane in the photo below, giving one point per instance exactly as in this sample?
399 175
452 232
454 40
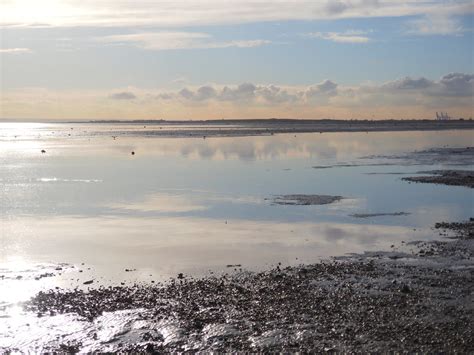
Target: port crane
442 116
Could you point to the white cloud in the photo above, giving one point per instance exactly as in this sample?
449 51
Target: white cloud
15 50
436 24
167 13
452 88
450 85
251 93
202 94
405 97
326 88
456 84
180 80
277 95
243 92
358 37
177 40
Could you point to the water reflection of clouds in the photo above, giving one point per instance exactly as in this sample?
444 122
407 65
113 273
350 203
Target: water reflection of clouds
185 243
285 146
162 202
180 201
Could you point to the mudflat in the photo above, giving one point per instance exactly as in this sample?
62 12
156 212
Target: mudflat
255 127
445 177
416 297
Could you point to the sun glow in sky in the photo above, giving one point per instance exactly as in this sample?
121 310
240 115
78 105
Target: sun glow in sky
194 59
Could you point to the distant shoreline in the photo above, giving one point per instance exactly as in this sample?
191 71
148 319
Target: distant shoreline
277 121
264 127
249 121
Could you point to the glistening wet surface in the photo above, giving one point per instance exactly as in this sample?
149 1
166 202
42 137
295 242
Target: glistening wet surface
86 209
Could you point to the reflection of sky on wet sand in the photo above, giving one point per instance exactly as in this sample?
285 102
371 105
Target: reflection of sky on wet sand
84 140
190 205
168 245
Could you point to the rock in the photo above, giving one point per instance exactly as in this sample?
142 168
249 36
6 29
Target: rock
405 289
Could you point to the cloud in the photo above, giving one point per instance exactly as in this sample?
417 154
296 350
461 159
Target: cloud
276 95
166 14
201 94
326 88
457 84
248 92
123 96
177 40
410 97
15 50
335 7
408 83
243 92
457 88
180 80
449 85
435 24
357 37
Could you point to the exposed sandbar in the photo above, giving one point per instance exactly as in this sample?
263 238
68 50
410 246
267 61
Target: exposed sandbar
305 200
445 177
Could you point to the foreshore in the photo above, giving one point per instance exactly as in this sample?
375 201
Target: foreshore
415 297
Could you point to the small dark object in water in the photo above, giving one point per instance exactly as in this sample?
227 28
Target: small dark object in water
133 153
43 151
180 276
88 282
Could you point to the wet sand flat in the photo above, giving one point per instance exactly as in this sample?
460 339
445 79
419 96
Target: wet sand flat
412 298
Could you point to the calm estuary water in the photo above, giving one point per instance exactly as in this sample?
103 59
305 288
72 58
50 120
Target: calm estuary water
87 209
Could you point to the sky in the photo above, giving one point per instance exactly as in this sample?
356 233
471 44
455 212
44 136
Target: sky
214 59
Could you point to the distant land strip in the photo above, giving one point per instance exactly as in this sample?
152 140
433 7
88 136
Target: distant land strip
261 127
